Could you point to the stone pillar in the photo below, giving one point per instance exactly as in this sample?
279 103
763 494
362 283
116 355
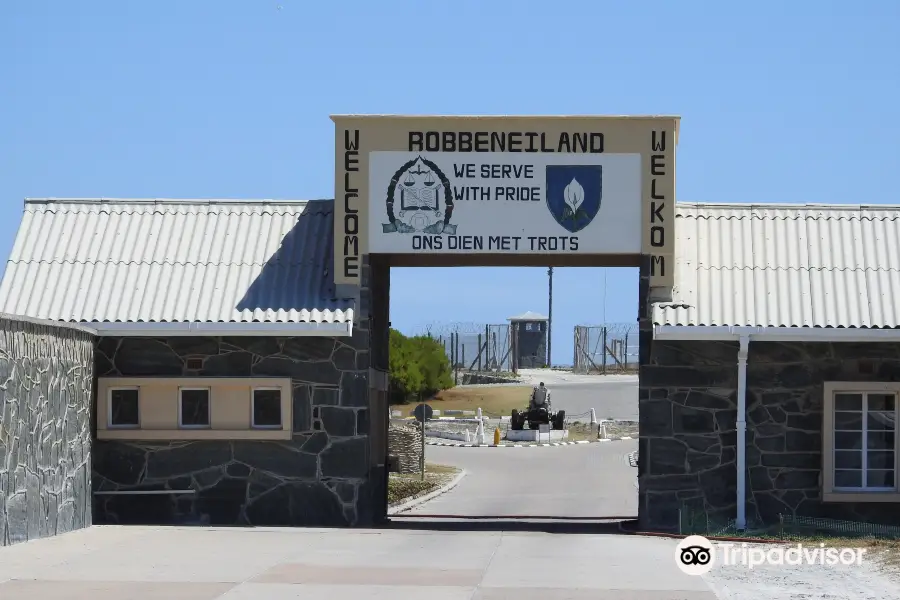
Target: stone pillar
645 339
374 311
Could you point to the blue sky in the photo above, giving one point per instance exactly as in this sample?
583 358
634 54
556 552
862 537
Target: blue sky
780 102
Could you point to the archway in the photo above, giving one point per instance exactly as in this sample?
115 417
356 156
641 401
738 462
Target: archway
496 191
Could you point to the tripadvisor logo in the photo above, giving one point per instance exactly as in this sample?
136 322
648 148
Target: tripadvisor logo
696 555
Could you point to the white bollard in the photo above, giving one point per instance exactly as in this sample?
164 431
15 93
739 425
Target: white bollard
479 434
468 436
593 417
478 414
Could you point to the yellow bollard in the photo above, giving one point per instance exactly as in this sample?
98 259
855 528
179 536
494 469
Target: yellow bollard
497 436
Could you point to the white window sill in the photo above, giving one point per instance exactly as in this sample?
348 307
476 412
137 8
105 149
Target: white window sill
861 497
193 434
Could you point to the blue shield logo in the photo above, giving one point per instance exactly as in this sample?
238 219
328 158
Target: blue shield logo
573 194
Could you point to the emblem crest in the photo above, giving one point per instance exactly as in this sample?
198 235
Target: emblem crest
573 194
419 200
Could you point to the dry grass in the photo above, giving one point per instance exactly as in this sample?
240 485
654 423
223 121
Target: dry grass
499 400
581 431
887 552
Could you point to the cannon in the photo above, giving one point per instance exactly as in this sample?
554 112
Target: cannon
538 412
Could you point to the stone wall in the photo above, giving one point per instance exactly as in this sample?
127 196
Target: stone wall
688 411
45 428
405 442
320 477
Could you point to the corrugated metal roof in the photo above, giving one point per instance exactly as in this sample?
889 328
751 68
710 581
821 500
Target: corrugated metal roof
529 316
174 261
785 266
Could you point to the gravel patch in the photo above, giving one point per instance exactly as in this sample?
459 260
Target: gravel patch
618 429
867 581
403 488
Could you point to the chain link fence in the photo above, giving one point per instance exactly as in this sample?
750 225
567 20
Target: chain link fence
695 519
474 347
606 348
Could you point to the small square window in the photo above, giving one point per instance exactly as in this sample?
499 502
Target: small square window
267 408
194 408
124 408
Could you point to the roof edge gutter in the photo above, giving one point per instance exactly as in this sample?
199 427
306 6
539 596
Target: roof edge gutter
221 329
774 334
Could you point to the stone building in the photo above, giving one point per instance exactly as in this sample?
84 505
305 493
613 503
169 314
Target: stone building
45 433
230 385
779 358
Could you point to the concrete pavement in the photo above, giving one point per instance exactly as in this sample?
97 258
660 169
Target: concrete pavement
588 480
145 563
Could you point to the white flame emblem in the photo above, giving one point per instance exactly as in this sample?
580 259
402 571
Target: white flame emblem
574 195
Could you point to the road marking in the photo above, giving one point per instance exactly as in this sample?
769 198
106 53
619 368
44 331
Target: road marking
540 445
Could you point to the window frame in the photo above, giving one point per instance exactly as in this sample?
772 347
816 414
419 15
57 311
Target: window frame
160 408
831 493
263 388
208 391
109 406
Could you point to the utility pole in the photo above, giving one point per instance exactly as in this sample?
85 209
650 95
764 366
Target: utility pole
550 316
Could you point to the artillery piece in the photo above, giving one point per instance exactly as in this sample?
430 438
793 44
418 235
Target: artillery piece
538 412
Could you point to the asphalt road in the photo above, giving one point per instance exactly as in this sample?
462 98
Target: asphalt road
612 400
612 396
589 480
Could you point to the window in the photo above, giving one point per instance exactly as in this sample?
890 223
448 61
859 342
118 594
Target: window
859 442
197 408
266 409
865 441
193 408
124 408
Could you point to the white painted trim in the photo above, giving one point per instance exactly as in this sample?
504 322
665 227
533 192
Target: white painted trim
221 329
774 334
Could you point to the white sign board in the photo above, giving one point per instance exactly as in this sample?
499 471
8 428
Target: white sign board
496 203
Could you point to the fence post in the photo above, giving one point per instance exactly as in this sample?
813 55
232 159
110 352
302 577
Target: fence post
463 356
603 343
480 350
422 456
453 344
576 362
625 351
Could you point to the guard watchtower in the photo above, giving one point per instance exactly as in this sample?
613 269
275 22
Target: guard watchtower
528 333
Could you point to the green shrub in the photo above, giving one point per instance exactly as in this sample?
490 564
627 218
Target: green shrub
419 367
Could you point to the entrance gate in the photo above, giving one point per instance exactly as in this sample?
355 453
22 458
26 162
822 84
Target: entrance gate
495 191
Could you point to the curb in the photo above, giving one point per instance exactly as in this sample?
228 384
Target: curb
399 508
465 445
712 538
429 442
